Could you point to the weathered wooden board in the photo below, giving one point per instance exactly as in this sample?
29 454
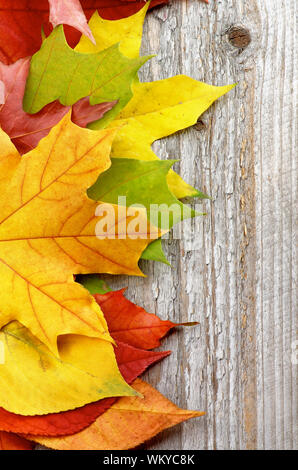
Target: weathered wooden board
235 270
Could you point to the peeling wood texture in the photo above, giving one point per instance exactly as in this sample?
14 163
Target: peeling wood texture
235 269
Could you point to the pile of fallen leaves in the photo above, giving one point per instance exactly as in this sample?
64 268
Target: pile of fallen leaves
77 127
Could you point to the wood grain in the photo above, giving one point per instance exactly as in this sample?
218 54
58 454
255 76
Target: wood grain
235 269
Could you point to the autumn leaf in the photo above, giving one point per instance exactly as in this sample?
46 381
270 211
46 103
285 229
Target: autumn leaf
85 372
127 424
134 361
9 441
105 76
26 130
130 323
127 32
131 362
143 183
47 233
55 424
20 27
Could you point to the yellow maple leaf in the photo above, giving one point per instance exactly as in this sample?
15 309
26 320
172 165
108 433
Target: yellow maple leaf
48 234
86 371
126 31
157 109
127 424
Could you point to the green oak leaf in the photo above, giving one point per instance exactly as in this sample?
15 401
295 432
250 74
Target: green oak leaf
143 183
104 76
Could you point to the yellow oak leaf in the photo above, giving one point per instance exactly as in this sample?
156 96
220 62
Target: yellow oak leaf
48 234
127 424
86 371
157 109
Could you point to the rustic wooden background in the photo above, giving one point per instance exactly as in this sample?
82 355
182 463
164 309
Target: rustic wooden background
235 271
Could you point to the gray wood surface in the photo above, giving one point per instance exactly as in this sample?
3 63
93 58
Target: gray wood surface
235 270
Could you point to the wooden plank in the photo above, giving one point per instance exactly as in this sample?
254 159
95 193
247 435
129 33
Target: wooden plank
235 269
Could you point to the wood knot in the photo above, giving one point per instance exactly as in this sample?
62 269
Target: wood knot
239 37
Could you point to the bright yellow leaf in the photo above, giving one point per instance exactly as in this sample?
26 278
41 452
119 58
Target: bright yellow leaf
127 424
47 234
157 110
127 31
85 372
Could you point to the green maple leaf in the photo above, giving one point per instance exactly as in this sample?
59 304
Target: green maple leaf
104 76
144 183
